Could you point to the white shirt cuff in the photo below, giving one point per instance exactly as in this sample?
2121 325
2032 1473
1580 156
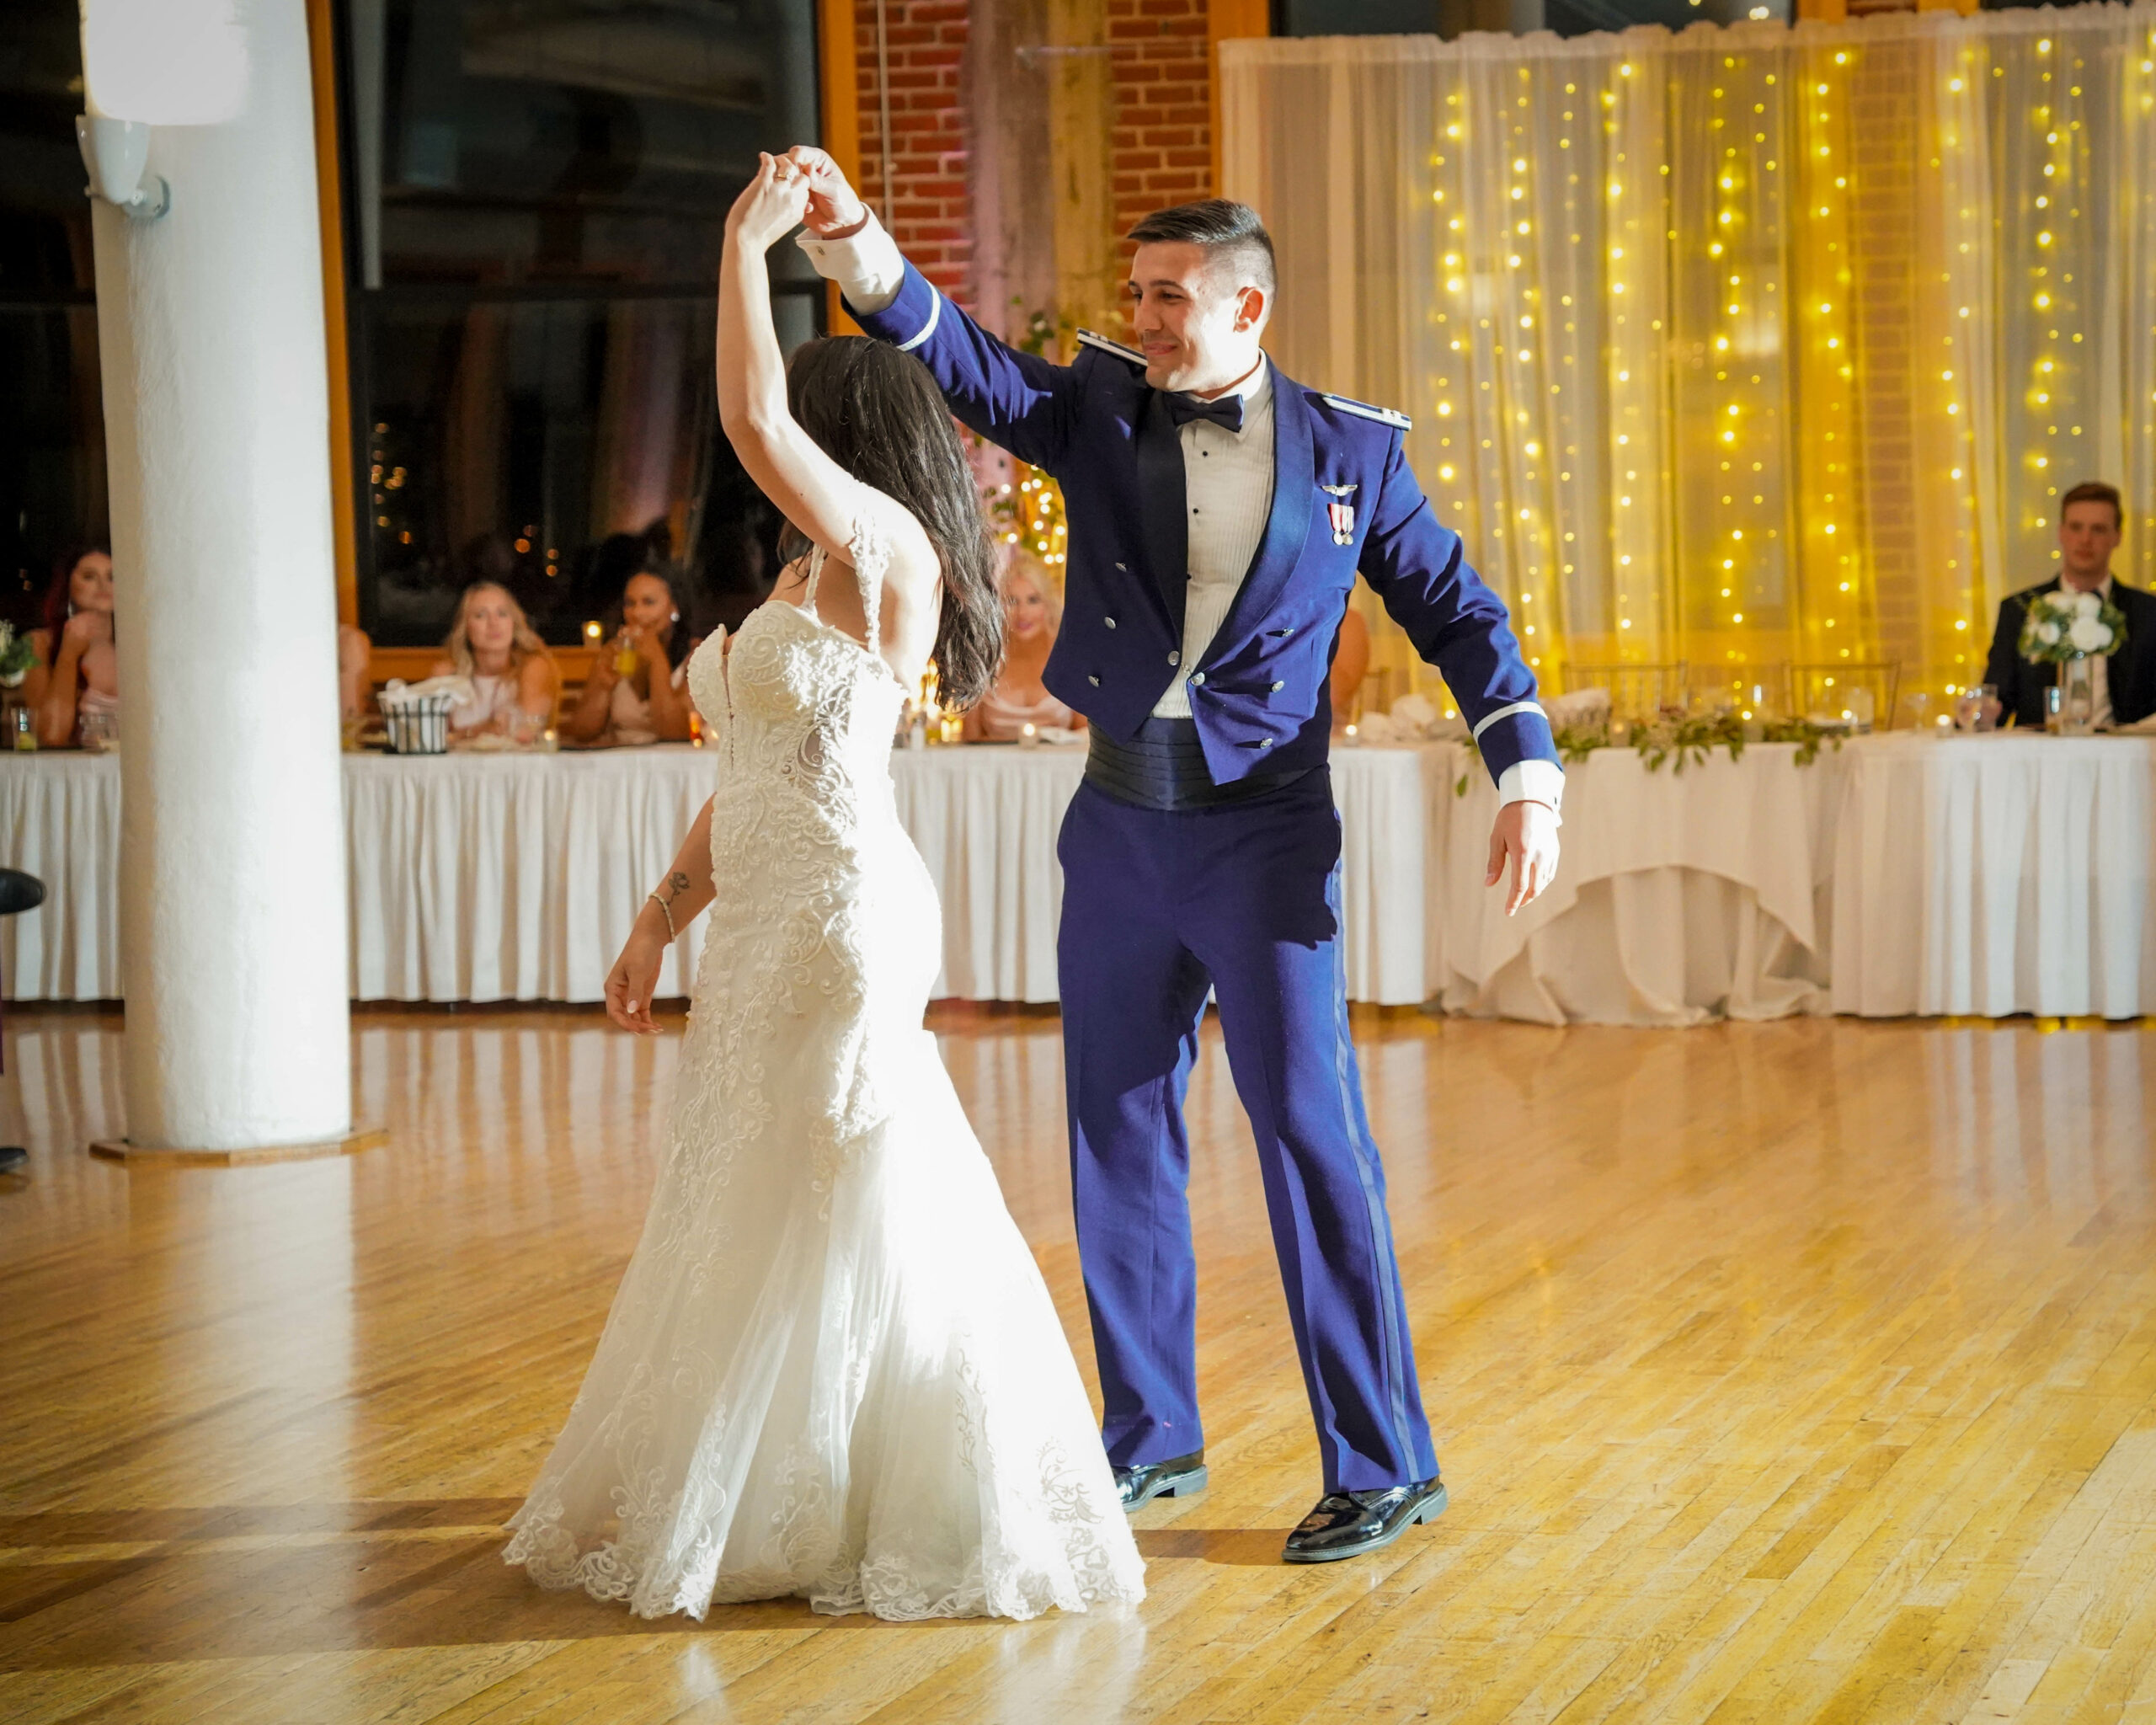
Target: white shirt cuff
1533 781
867 264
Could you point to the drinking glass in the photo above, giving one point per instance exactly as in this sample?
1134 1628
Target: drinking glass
1970 712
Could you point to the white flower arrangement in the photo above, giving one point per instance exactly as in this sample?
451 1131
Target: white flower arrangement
2062 626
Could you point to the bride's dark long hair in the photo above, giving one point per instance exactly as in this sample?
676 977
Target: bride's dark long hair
876 414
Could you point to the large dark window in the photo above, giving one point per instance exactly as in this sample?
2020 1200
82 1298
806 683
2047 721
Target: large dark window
536 192
52 487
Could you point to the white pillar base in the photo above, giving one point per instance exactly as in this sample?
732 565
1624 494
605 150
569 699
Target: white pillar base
119 1150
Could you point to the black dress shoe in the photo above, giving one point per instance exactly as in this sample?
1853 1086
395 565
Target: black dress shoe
1182 1478
1349 1524
13 1158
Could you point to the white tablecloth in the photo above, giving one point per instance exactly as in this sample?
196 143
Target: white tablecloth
985 820
516 877
1922 875
59 821
1996 875
1681 896
513 876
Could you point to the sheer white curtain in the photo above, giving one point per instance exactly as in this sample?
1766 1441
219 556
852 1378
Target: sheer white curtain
1740 344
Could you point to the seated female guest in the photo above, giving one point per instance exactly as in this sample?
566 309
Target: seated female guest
77 676
1018 698
355 673
649 702
512 673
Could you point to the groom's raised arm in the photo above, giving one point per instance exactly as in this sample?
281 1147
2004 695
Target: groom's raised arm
1018 400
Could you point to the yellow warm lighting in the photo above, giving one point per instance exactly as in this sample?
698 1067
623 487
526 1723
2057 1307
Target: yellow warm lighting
1781 380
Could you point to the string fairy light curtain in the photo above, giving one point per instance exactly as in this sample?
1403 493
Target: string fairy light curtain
1738 346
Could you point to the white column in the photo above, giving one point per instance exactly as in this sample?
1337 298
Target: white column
210 323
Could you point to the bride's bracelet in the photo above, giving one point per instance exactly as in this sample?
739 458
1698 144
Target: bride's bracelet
665 911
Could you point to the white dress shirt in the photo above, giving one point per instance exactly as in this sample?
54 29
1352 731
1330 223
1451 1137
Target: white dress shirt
1227 480
1227 485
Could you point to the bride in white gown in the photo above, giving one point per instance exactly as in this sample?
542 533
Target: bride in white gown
832 1370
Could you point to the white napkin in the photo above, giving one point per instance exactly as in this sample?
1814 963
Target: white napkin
1581 707
397 693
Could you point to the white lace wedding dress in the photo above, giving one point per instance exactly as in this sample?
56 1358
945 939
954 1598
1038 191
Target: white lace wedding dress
832 1370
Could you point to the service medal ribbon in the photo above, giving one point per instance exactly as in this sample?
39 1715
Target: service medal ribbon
1342 513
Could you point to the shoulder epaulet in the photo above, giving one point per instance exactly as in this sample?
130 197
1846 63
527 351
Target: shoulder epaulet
1384 416
1086 338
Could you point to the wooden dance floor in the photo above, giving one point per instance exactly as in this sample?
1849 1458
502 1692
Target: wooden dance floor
1783 1372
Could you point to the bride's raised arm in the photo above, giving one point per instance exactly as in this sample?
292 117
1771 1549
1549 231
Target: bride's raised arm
815 494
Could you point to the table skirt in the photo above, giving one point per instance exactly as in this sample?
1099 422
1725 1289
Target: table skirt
1900 874
516 877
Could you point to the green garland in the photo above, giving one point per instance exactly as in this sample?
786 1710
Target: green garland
18 656
1684 741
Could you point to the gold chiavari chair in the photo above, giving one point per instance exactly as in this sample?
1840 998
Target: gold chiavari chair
1756 690
1828 690
1635 691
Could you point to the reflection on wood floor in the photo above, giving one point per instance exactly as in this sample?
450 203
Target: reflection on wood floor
1779 1372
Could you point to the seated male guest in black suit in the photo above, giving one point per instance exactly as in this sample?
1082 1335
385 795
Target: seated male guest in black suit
2090 519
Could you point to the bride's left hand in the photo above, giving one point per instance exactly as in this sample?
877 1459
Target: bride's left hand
771 204
634 978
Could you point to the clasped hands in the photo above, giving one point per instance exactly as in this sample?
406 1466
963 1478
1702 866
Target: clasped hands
804 186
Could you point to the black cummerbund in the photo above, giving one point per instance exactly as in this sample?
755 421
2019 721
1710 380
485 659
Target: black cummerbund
1164 767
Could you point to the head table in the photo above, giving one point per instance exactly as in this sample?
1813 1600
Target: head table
1902 874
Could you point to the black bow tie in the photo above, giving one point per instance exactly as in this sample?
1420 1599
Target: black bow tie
1226 410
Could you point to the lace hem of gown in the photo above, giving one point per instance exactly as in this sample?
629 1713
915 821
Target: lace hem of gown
805 1554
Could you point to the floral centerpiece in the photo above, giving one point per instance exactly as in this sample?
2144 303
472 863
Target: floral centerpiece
2063 626
2070 630
17 654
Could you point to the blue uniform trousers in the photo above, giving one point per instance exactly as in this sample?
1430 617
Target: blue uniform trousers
1158 905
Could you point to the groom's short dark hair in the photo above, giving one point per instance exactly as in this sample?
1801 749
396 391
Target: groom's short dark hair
2095 491
1231 232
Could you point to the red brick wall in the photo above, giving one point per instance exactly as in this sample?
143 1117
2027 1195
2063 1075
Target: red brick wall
932 207
1163 80
1163 141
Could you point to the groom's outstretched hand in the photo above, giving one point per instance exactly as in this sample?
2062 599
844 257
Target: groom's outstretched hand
834 211
1527 833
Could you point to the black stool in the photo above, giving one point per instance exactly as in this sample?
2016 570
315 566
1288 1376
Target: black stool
18 892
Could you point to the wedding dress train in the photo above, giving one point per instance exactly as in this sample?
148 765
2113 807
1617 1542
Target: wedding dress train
832 1368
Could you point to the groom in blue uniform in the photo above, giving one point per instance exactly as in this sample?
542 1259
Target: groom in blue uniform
1219 515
